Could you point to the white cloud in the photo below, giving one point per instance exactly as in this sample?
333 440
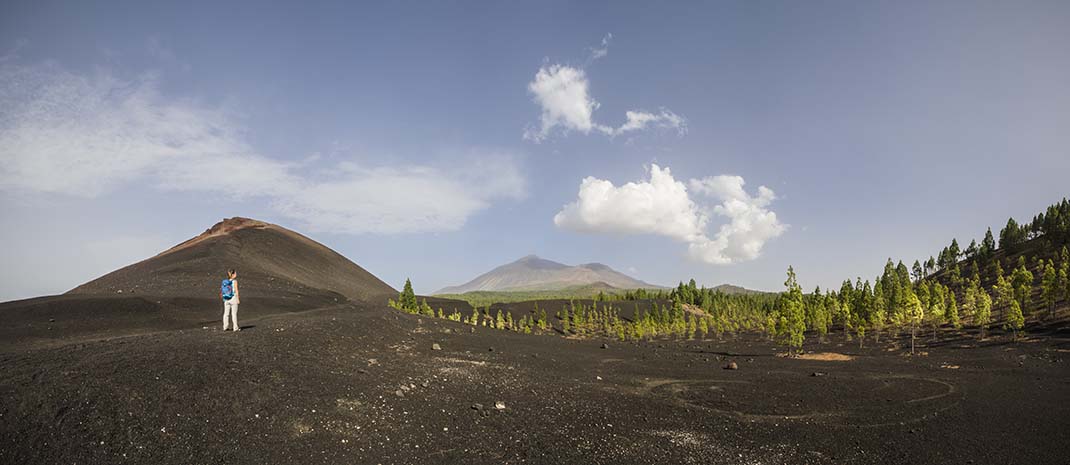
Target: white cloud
750 223
663 206
393 200
603 50
562 93
70 134
658 206
638 120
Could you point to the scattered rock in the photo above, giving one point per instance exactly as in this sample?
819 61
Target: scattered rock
404 387
731 366
51 320
425 384
818 373
362 371
598 378
490 349
436 347
399 393
605 346
477 406
499 405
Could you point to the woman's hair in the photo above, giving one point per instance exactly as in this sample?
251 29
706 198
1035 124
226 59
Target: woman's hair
231 272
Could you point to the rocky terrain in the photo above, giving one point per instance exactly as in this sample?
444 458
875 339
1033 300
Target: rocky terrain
133 368
363 384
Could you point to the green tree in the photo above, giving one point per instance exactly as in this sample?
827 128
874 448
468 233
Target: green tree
919 273
1049 287
988 245
1063 281
1011 236
971 251
792 322
952 313
1022 283
1015 320
407 299
916 314
984 311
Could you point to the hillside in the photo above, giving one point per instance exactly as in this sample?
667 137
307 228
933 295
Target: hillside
532 273
271 261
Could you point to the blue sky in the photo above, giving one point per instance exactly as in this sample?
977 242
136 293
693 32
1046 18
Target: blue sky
436 141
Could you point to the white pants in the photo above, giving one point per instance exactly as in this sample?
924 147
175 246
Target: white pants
230 312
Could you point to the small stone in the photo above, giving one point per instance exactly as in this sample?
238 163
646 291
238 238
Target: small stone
362 371
598 378
731 366
477 406
51 320
605 346
399 393
499 405
490 349
425 384
436 347
817 373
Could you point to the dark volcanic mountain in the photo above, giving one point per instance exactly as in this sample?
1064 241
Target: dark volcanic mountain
532 273
271 261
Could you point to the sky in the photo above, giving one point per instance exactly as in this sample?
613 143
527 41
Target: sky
720 141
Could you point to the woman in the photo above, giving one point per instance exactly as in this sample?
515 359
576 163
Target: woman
229 293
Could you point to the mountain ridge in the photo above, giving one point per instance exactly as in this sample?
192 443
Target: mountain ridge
533 273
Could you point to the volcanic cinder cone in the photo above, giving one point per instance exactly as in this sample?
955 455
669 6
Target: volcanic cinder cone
272 261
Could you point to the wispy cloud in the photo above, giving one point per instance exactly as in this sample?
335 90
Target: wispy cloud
663 206
563 96
85 135
602 50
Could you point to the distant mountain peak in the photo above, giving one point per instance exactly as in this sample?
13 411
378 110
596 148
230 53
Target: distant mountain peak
533 273
595 266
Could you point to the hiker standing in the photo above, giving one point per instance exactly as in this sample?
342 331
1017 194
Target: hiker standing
229 293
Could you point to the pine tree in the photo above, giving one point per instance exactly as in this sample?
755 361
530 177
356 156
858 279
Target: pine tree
499 321
916 314
952 313
988 245
1049 287
1063 280
984 311
1022 282
407 299
792 321
1011 236
919 273
953 251
1015 320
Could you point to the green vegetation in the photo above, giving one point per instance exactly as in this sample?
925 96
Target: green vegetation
959 288
593 292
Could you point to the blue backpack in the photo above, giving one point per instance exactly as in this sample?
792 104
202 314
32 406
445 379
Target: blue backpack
227 290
